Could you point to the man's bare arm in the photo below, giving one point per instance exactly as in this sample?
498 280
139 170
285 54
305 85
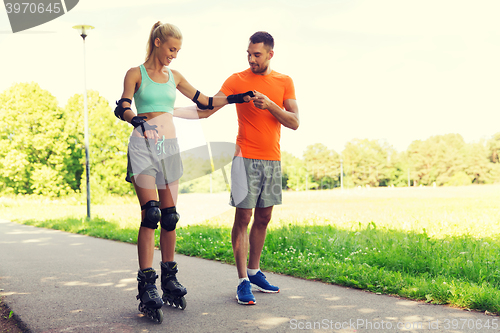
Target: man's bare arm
288 117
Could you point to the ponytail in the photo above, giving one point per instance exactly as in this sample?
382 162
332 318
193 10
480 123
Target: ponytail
163 32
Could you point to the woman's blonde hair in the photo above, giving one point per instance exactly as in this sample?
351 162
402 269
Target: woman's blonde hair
163 32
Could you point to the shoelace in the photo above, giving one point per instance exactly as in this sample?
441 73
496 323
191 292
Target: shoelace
153 293
244 286
176 283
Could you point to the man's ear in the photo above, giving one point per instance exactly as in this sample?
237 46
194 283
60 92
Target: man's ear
271 54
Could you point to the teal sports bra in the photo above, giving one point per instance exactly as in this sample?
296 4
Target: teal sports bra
153 96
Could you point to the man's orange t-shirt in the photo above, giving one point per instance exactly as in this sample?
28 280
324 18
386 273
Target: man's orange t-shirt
259 132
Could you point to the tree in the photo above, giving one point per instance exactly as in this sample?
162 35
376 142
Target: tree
108 139
293 172
436 159
494 156
368 162
323 165
33 143
478 166
494 148
397 172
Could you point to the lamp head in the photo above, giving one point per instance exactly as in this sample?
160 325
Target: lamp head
82 28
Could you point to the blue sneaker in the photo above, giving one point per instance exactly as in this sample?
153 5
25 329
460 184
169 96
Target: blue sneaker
244 294
260 283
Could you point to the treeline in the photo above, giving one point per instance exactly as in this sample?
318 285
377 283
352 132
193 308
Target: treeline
42 145
440 160
42 152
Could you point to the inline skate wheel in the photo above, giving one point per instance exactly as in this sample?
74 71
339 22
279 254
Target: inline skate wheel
159 316
181 304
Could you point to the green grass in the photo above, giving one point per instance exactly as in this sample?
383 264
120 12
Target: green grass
437 245
95 227
459 270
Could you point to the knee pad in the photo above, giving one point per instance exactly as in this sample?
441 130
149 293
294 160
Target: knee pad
152 214
169 218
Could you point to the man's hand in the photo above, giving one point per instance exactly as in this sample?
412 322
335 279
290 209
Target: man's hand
261 101
248 98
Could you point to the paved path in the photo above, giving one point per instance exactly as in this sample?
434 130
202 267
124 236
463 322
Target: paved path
61 282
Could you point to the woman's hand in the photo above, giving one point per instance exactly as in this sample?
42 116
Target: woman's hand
145 129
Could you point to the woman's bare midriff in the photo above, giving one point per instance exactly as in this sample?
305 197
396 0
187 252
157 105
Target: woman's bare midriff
164 124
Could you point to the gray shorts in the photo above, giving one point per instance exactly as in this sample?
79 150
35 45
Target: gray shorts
161 161
255 183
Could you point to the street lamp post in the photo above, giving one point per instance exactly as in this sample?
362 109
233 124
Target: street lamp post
83 33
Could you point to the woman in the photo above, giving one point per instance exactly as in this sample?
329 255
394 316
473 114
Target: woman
154 164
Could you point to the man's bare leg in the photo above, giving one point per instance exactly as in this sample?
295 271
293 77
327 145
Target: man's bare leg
261 219
239 239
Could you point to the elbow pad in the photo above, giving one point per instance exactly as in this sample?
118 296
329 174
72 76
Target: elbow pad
120 110
201 106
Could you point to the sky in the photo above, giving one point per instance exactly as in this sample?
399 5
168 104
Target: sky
391 70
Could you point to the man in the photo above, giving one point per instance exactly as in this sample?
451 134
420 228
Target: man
256 168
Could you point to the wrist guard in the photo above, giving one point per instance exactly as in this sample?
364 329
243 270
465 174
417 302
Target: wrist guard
138 121
238 98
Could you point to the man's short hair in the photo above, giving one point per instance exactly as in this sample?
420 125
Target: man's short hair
262 37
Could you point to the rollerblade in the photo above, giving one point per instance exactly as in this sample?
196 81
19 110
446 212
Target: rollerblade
173 291
151 301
